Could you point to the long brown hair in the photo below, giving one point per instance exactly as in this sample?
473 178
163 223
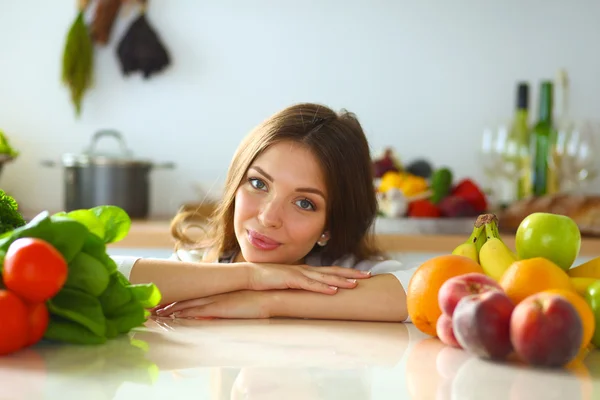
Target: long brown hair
339 143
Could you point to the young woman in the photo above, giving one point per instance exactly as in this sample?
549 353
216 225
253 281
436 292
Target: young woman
292 235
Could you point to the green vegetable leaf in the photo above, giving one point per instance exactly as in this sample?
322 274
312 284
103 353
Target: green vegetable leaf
110 264
64 330
67 236
115 296
147 294
10 218
115 220
90 220
111 329
94 246
87 274
130 316
79 307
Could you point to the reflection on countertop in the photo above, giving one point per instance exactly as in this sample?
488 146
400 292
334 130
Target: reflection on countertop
281 359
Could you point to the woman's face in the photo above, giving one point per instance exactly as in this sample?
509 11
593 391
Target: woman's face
280 208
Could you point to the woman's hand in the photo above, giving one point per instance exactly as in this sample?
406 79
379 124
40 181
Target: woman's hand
325 280
246 304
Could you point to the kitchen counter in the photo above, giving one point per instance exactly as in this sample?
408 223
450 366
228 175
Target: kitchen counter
156 234
282 359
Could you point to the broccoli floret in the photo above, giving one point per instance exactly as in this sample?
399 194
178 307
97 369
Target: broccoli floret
6 148
9 216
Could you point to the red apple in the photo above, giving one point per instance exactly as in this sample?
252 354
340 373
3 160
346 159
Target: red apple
461 286
546 330
445 332
481 324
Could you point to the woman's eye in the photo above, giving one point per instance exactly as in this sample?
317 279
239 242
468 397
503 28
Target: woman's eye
257 183
305 204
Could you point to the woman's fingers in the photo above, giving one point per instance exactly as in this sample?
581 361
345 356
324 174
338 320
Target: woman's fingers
315 279
331 280
312 285
181 305
328 279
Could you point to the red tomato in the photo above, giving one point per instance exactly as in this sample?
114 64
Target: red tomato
34 269
38 322
15 323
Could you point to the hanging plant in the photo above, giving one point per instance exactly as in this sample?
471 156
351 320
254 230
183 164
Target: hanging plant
141 48
78 58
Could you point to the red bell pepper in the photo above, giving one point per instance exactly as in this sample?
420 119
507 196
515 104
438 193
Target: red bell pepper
423 209
468 190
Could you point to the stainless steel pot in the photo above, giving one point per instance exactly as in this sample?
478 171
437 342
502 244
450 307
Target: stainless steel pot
94 178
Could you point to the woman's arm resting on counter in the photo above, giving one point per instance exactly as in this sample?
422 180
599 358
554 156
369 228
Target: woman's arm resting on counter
380 298
178 280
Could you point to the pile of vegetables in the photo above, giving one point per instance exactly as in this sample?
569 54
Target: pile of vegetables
421 191
58 283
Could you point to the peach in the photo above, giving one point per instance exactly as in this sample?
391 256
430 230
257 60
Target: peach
445 332
481 324
461 286
546 330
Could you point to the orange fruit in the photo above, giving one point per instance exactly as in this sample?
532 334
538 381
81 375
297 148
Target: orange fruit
583 309
533 275
422 292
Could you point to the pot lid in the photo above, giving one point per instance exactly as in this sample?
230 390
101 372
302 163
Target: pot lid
91 155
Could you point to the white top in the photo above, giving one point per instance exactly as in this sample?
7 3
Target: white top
377 267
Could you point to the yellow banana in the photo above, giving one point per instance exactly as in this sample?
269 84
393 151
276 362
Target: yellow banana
580 285
495 257
470 248
589 269
467 249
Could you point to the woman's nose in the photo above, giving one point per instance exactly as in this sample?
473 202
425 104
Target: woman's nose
270 214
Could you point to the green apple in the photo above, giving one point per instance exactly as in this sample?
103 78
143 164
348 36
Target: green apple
552 236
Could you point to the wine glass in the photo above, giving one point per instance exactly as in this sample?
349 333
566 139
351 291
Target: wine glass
575 149
500 157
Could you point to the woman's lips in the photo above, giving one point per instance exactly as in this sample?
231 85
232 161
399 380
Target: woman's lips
262 242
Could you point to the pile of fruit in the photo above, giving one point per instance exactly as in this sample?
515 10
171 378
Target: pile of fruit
532 304
420 191
58 283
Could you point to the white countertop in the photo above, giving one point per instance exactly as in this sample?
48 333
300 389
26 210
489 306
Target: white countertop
283 360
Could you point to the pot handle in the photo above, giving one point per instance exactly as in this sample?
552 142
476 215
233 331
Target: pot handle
109 132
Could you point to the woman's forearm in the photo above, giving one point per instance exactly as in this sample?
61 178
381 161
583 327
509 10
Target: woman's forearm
178 281
380 298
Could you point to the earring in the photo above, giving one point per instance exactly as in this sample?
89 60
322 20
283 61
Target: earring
323 240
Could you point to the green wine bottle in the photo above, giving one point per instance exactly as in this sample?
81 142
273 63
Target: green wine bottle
519 134
543 142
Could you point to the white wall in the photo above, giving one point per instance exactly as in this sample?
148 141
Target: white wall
437 69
